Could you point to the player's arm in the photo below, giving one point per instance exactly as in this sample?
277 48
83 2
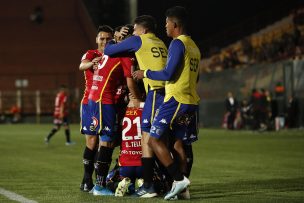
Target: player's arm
127 64
175 58
86 64
133 88
129 45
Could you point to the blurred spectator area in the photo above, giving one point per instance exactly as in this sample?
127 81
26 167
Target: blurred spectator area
286 74
280 40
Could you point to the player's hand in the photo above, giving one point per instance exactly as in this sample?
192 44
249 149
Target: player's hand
96 60
95 67
124 31
139 74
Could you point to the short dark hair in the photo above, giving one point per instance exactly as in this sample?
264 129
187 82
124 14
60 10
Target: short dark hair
180 14
105 28
130 30
117 29
147 21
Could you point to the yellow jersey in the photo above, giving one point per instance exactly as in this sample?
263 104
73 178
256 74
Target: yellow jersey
183 84
152 55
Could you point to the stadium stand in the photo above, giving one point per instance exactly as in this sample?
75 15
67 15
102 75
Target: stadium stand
270 56
37 57
280 40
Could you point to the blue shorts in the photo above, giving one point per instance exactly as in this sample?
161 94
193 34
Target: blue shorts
192 130
174 116
85 119
153 100
132 172
103 119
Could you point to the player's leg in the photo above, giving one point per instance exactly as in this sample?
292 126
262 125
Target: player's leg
67 131
189 137
189 156
153 100
88 162
173 168
148 165
188 134
56 127
181 155
104 154
90 150
169 113
185 160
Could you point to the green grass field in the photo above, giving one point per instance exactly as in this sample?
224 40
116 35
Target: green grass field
239 166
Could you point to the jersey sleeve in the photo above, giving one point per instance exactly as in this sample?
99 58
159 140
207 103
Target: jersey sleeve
89 55
129 45
127 63
175 57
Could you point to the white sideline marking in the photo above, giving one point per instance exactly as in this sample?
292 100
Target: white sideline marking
16 197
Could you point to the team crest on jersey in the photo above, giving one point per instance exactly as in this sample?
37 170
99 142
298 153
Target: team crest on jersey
94 123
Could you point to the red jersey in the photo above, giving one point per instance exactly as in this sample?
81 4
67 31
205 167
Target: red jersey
88 73
130 149
60 102
109 78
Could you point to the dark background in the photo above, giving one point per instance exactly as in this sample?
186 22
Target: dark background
214 23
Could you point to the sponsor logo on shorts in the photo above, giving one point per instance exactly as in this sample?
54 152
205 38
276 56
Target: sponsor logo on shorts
163 121
106 128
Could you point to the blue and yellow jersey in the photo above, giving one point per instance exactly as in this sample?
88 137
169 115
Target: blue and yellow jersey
181 71
150 51
152 55
183 85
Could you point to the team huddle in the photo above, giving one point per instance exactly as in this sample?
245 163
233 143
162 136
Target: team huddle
140 97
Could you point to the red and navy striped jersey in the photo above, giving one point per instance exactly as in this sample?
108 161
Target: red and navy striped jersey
109 77
88 73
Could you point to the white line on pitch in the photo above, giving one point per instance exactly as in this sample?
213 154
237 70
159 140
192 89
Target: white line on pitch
16 197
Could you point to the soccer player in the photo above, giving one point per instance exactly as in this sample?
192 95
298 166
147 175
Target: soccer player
108 79
181 100
61 116
130 167
149 51
88 60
